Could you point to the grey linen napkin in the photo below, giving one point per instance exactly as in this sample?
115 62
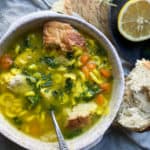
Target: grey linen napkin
10 10
115 139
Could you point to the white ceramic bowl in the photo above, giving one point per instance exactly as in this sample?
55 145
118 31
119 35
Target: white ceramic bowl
95 134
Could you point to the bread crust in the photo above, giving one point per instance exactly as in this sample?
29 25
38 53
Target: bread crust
134 113
61 35
93 11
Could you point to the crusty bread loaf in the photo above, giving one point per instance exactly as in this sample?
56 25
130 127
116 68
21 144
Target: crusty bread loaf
134 113
93 11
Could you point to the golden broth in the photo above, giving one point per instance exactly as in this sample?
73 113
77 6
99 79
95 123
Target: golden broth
42 79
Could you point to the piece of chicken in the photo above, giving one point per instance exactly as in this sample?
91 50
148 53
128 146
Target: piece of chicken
61 35
15 82
19 85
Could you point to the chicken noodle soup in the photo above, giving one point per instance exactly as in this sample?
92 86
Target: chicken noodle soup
58 69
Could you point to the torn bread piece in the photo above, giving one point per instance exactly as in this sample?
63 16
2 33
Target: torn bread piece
95 12
134 113
61 35
80 115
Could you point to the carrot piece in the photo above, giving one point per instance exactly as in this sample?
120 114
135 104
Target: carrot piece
5 62
85 70
91 66
84 58
34 128
105 86
100 99
105 72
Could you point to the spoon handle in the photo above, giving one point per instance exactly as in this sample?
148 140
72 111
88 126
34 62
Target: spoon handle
62 143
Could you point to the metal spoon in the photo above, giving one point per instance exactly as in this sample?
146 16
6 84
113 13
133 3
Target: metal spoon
61 141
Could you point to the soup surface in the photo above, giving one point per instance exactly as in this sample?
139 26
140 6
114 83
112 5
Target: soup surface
41 72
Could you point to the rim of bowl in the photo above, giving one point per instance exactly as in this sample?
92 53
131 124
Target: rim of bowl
47 14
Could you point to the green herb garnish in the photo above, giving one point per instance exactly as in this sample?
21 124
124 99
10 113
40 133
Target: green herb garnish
68 85
32 101
17 120
50 61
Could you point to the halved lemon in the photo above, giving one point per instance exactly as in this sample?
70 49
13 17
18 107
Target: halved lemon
134 20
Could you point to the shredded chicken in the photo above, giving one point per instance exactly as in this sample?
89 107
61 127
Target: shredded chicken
19 81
